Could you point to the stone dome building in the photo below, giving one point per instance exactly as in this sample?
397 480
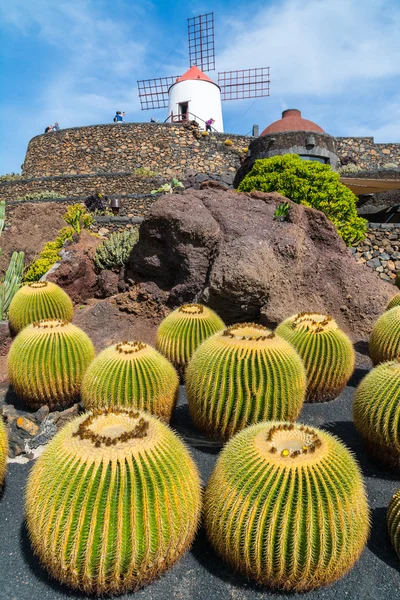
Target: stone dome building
292 134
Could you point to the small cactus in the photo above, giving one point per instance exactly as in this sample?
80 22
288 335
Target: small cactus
286 506
395 301
115 251
3 451
384 341
47 361
327 352
243 375
376 412
113 502
39 300
182 331
131 375
393 521
11 283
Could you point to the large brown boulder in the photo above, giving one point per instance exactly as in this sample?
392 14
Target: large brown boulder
226 249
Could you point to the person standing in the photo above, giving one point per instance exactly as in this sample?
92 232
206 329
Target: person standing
119 117
56 127
209 124
48 129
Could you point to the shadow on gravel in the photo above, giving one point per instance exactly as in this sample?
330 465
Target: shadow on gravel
357 376
362 347
379 541
39 572
182 423
346 431
14 400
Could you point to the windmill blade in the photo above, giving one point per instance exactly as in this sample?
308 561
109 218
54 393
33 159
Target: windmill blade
247 83
153 93
201 42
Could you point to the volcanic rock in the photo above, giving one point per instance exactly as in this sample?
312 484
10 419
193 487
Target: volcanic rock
225 249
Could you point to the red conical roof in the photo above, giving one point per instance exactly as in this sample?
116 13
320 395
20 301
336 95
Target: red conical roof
192 74
292 121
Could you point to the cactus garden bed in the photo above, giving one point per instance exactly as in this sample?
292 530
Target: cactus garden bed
201 574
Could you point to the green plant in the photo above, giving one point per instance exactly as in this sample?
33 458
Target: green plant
326 351
312 184
243 375
47 361
11 282
282 211
183 330
97 203
384 341
286 506
2 215
49 255
3 451
39 300
10 177
348 169
390 165
115 251
376 412
78 217
113 502
143 172
205 133
40 195
395 301
169 188
228 143
131 375
393 521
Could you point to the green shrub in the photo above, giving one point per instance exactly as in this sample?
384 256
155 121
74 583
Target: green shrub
41 195
48 256
115 251
78 217
10 177
312 184
143 172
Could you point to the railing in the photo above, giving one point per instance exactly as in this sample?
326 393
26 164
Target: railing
185 119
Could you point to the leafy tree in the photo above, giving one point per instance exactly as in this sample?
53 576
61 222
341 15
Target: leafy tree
310 183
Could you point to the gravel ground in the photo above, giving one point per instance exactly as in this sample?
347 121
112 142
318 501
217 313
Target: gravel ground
201 575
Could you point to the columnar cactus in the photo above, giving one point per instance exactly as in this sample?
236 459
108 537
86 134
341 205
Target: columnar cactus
393 520
39 300
243 375
327 352
286 506
131 375
384 342
184 330
395 301
376 412
47 361
3 451
113 502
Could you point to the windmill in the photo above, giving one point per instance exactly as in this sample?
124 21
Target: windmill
194 95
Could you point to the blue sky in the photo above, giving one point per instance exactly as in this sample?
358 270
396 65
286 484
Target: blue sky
77 61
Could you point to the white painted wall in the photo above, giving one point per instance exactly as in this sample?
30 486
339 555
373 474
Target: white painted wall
204 100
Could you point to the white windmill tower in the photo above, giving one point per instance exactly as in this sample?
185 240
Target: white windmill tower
194 96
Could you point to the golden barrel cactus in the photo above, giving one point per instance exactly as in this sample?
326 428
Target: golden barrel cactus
384 341
243 375
395 301
39 300
327 352
3 451
376 412
182 331
47 361
286 506
131 375
113 501
393 521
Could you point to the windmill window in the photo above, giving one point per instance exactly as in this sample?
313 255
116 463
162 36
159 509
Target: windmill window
320 159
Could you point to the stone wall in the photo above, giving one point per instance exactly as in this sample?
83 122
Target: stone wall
169 149
380 250
368 154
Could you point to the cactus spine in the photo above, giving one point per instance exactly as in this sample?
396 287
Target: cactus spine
376 412
47 361
113 502
384 341
393 521
39 300
286 506
131 375
327 352
243 375
3 451
395 301
184 330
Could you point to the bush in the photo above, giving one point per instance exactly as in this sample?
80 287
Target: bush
10 177
48 256
41 195
115 251
78 217
312 184
97 202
